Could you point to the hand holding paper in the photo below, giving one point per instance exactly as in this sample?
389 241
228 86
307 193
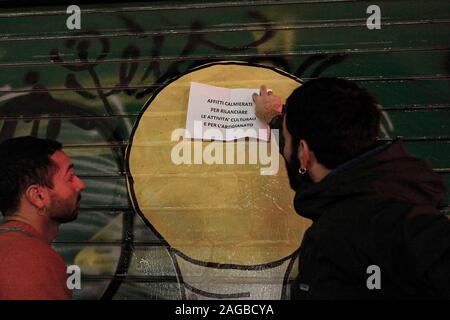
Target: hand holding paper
267 105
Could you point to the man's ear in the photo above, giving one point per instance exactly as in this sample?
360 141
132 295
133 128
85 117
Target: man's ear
36 195
304 154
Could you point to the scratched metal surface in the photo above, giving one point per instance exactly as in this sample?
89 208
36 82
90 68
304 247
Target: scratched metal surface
86 88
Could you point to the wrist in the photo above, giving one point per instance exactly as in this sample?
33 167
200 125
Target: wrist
276 121
272 116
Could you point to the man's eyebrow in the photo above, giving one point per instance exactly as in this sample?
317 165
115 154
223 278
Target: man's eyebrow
68 168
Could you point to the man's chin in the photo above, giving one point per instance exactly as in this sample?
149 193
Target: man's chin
67 218
73 217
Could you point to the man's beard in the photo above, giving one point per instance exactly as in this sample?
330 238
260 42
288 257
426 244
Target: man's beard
296 180
63 212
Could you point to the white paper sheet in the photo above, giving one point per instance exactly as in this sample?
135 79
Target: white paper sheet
217 113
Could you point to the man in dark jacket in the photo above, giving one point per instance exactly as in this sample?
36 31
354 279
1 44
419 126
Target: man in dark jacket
377 231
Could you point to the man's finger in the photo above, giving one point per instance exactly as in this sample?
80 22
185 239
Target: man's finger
263 90
254 96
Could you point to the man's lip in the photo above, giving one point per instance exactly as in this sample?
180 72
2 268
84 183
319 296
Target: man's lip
78 201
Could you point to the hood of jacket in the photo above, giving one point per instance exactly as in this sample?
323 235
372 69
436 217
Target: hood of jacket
388 170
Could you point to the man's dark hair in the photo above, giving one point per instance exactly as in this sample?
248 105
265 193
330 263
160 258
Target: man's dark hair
338 119
24 161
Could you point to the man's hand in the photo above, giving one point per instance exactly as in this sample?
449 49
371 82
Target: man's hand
267 104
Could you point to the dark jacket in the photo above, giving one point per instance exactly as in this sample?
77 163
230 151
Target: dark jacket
379 209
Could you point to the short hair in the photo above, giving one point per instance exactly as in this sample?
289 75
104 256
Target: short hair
338 119
24 161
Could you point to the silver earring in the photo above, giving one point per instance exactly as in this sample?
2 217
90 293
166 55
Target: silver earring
302 170
42 211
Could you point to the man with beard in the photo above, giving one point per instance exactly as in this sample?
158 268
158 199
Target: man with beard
377 232
38 191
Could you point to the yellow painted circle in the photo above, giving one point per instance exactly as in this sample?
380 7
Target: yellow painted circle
220 213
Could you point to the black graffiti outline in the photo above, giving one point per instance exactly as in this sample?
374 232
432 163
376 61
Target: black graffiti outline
16 109
174 252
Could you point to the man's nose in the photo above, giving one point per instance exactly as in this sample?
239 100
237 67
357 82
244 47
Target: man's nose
81 185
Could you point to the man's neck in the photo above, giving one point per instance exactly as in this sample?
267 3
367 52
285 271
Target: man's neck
46 228
318 172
